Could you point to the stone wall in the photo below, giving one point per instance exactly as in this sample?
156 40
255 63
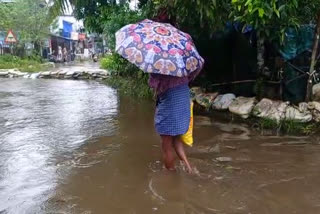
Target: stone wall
248 106
73 72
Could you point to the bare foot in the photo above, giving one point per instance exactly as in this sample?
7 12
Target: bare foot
185 167
170 169
189 169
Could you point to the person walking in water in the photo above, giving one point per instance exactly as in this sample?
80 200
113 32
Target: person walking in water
172 115
172 60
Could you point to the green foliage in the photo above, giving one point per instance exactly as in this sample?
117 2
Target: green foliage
126 76
198 17
102 16
288 126
115 17
307 10
119 66
89 11
133 87
31 64
29 19
269 18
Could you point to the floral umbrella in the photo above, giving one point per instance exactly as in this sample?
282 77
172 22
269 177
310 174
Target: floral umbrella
158 48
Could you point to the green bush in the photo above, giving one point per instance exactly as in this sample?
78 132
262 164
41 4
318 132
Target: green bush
117 65
125 76
114 63
137 88
115 17
288 126
30 64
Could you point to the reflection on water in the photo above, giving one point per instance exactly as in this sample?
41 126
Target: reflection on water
75 147
43 123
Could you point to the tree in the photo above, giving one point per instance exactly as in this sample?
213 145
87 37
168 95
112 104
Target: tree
201 18
314 60
89 11
198 17
309 12
102 16
270 19
29 19
113 18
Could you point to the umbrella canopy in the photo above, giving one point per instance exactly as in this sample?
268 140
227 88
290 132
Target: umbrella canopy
158 48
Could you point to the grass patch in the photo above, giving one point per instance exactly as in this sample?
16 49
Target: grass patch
31 64
126 77
291 127
132 87
287 126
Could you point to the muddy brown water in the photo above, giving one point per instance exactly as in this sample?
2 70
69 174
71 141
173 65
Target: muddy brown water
77 147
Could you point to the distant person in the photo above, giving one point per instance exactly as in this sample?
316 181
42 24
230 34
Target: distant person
65 54
59 56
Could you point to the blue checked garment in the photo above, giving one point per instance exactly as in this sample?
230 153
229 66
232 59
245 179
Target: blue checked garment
172 115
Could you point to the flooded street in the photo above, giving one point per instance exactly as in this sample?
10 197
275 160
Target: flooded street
78 147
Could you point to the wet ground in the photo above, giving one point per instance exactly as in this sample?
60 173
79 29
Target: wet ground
77 147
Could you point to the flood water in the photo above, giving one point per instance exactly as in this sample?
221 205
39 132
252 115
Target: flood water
77 147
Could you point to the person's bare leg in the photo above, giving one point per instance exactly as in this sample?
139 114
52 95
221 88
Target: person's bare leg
167 151
178 146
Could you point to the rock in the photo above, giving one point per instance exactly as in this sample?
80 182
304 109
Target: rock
314 107
206 100
45 73
76 75
49 65
16 73
3 73
99 71
316 92
96 75
69 73
300 113
303 106
195 91
222 102
54 73
62 72
105 75
275 110
83 77
224 159
242 106
34 75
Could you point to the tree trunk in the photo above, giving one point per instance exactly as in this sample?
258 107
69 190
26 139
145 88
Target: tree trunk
260 66
313 59
260 54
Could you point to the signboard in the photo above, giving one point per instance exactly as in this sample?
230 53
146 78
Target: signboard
10 38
